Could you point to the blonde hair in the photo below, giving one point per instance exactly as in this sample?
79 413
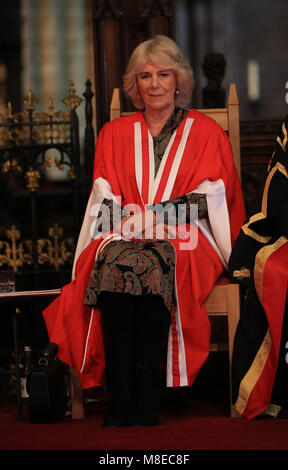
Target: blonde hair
159 50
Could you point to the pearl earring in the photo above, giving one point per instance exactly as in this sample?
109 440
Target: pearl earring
177 92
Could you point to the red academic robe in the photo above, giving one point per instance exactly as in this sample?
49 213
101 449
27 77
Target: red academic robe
198 158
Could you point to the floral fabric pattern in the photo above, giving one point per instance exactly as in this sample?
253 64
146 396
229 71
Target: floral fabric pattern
136 268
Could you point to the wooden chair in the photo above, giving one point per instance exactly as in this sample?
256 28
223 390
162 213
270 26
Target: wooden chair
224 300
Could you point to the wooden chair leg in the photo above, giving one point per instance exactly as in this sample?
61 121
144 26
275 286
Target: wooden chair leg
76 396
233 300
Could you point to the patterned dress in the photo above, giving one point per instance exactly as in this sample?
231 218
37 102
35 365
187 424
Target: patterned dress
143 267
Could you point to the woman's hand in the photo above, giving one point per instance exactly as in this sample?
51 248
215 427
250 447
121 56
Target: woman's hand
134 226
144 225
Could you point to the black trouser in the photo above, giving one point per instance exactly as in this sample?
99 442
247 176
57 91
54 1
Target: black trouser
136 331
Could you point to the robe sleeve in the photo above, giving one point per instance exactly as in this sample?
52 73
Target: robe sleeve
234 195
104 186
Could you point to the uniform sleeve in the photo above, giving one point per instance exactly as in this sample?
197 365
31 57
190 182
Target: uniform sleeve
277 200
275 195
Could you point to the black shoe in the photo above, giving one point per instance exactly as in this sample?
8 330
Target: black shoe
117 416
142 422
271 412
114 422
149 419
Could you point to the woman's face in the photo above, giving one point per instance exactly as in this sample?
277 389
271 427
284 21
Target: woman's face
157 86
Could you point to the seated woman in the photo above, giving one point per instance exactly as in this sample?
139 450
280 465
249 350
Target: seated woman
145 262
259 261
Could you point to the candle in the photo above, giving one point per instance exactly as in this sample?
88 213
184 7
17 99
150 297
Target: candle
253 80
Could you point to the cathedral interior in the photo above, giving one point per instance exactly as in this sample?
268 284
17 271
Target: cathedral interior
59 64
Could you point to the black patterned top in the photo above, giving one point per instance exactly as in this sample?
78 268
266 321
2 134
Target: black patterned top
161 141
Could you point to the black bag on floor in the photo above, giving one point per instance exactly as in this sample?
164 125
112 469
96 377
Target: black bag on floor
46 387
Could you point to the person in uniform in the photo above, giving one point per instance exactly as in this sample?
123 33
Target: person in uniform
259 261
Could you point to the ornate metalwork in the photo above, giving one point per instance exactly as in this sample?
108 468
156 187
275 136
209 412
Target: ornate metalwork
29 100
72 101
15 253
11 165
89 131
27 135
31 143
32 177
55 251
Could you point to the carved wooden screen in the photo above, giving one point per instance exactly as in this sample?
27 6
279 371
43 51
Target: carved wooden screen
118 27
